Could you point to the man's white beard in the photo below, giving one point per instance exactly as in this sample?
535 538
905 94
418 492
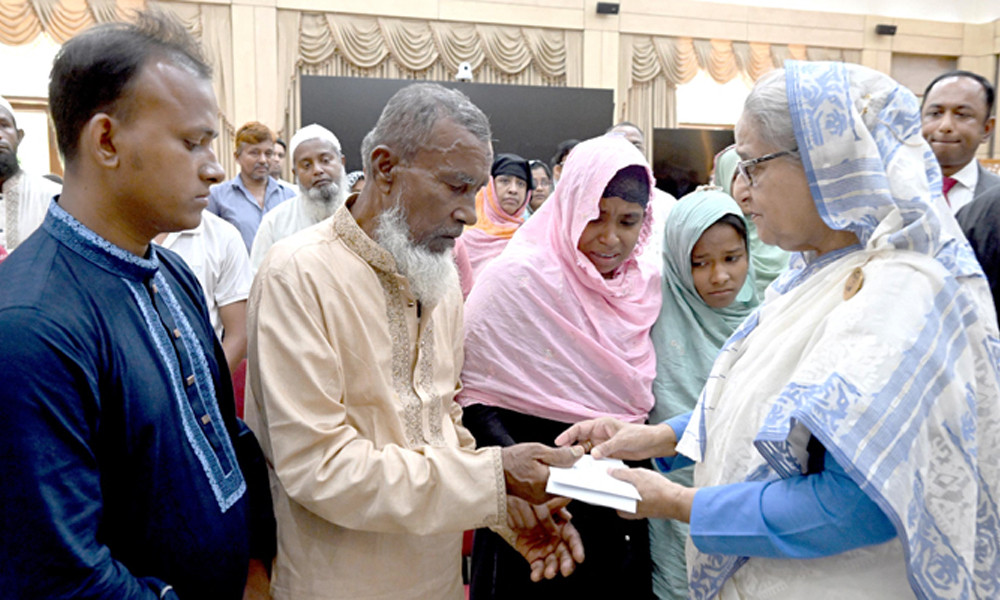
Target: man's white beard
431 274
322 201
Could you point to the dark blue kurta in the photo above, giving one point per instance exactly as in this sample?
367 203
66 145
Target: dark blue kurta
118 465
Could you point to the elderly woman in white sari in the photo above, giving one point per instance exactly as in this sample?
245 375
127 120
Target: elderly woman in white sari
768 261
847 442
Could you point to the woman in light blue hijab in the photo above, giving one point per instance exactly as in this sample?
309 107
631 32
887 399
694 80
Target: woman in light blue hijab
708 290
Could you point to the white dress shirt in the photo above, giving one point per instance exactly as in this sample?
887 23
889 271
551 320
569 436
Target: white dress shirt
965 185
215 252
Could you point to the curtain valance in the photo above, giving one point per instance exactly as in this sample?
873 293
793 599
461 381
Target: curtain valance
679 59
365 42
21 22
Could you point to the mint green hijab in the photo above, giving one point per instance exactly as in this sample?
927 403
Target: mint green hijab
687 337
768 261
688 333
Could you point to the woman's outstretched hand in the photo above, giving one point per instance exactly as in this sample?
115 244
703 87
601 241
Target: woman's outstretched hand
661 498
608 437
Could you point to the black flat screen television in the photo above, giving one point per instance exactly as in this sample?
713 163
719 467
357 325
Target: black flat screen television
526 120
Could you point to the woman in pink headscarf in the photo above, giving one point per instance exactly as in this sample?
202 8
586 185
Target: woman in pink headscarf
557 331
500 208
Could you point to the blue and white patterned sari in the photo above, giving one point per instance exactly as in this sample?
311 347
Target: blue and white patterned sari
900 381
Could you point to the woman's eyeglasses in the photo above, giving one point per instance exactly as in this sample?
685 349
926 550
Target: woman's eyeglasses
745 167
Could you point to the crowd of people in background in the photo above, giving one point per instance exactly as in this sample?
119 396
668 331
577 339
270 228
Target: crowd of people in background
799 362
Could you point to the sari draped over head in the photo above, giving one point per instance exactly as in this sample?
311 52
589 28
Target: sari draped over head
886 352
768 261
545 334
688 333
485 240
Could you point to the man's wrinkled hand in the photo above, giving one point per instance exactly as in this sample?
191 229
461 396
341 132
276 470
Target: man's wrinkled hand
545 537
521 514
526 468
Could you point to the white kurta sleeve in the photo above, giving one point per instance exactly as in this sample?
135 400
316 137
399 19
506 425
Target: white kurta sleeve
262 242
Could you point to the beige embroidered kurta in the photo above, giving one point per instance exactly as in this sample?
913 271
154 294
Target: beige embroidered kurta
351 395
24 201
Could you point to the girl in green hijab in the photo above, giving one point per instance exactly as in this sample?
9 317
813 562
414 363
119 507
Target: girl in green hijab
708 289
768 261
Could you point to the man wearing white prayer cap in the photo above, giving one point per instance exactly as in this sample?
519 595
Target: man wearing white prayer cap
24 198
318 164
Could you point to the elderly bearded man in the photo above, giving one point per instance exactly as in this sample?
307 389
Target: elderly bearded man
319 166
355 355
24 197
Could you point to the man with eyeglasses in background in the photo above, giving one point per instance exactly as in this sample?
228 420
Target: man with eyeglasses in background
244 199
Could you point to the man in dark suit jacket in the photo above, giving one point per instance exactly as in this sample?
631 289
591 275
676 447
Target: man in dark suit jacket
987 180
956 117
981 223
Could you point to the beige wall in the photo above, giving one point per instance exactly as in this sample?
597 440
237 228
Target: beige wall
975 46
256 54
255 59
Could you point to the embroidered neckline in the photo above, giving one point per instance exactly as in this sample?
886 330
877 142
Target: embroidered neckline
79 238
11 194
358 241
12 181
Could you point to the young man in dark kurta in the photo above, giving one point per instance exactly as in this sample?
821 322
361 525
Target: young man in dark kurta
125 471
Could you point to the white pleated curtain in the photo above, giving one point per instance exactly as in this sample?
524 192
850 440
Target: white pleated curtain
660 64
351 46
21 22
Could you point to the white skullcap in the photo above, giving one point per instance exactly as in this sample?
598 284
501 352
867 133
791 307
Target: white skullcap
353 177
312 132
6 105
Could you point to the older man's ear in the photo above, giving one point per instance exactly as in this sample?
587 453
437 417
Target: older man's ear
383 161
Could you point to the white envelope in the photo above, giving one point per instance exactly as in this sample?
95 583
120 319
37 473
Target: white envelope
588 481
